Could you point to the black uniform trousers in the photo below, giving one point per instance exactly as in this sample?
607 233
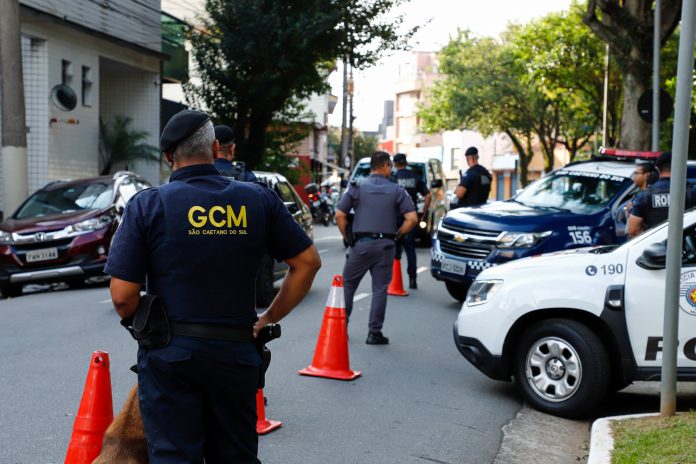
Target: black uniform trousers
198 401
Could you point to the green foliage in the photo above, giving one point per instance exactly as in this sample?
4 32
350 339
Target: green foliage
655 439
256 58
119 144
364 145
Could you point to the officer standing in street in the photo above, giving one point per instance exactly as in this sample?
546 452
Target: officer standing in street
377 203
224 158
475 185
413 185
198 242
651 206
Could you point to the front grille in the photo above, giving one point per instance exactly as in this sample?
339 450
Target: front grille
464 250
64 242
468 230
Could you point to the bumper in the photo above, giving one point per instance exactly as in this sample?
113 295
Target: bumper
54 274
473 350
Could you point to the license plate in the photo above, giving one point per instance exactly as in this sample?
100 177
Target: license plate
316 204
455 267
42 255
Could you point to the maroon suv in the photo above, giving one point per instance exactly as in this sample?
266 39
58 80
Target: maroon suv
63 231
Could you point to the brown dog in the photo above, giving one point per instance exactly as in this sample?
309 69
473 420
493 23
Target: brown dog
124 440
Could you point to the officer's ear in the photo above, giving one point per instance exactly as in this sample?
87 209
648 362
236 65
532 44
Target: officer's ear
169 158
216 147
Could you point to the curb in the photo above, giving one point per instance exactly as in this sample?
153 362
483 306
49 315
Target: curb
601 440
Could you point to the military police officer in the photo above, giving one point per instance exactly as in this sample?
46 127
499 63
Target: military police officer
224 158
651 206
413 185
377 203
475 185
198 242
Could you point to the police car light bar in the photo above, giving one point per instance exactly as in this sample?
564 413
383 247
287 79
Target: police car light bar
628 154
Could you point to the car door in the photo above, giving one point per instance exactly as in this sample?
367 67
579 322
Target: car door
644 300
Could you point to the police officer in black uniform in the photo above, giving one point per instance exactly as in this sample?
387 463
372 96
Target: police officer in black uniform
413 185
198 242
224 158
475 185
377 202
651 206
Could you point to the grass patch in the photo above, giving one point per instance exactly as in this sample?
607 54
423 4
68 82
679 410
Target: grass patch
655 440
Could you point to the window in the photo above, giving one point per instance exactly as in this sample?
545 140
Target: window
285 192
86 86
455 156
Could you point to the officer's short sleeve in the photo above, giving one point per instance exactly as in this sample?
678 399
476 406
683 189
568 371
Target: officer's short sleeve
128 254
286 237
249 176
639 205
404 202
468 180
347 201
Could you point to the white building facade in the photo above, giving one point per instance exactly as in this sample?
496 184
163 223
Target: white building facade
109 55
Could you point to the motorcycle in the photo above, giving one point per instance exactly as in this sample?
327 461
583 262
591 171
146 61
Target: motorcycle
320 205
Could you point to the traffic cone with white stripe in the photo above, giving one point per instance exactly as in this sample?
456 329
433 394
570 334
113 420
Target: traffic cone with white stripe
396 286
263 425
331 359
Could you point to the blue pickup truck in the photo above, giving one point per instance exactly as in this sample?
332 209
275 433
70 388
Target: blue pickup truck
582 204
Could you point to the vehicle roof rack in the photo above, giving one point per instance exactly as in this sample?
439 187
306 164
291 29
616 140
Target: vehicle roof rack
619 154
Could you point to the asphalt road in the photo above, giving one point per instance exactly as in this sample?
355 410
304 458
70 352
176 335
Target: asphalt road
418 400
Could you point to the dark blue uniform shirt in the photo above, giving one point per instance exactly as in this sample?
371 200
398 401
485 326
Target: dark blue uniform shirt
198 242
412 183
226 168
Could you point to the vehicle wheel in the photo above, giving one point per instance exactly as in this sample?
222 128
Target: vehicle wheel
11 290
457 290
264 283
562 368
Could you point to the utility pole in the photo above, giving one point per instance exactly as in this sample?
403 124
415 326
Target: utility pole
656 79
344 116
606 96
13 150
351 91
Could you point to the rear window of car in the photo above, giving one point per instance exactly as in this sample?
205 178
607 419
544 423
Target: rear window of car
68 199
363 170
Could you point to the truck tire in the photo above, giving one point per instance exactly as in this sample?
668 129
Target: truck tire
562 368
457 290
264 283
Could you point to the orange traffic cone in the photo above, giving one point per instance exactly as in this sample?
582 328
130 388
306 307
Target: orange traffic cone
331 358
263 425
396 286
95 413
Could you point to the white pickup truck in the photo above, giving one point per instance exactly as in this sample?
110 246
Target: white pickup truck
572 326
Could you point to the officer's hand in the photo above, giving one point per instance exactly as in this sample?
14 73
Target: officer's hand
263 321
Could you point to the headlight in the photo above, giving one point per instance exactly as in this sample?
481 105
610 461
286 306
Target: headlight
5 238
521 239
90 225
422 224
481 290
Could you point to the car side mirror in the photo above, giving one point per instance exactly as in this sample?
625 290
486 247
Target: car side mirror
292 207
436 184
653 257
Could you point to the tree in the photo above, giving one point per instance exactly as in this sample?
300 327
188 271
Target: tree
363 145
257 57
119 144
627 27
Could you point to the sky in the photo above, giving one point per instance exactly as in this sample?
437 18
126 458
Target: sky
375 85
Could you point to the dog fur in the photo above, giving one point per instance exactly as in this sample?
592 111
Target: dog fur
124 440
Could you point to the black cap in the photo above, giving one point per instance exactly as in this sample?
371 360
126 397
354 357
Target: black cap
471 151
399 158
664 159
224 134
180 127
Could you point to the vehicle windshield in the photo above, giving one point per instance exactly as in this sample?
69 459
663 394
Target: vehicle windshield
66 200
574 191
363 170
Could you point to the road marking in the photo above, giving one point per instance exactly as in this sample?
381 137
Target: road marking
421 269
105 302
360 296
330 237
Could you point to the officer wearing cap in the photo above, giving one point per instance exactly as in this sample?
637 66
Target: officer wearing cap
197 243
224 158
377 202
413 185
475 185
651 206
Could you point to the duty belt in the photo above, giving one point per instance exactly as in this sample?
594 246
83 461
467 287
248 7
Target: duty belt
219 332
374 236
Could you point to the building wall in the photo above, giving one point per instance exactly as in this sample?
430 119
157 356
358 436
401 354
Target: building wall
137 22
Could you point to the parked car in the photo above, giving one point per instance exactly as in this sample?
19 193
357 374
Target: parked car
271 270
573 326
578 205
63 231
431 172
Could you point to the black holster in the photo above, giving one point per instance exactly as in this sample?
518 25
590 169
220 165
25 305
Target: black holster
268 333
149 326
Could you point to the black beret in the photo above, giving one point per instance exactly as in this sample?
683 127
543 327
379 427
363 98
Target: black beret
664 159
400 158
180 127
224 134
471 151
